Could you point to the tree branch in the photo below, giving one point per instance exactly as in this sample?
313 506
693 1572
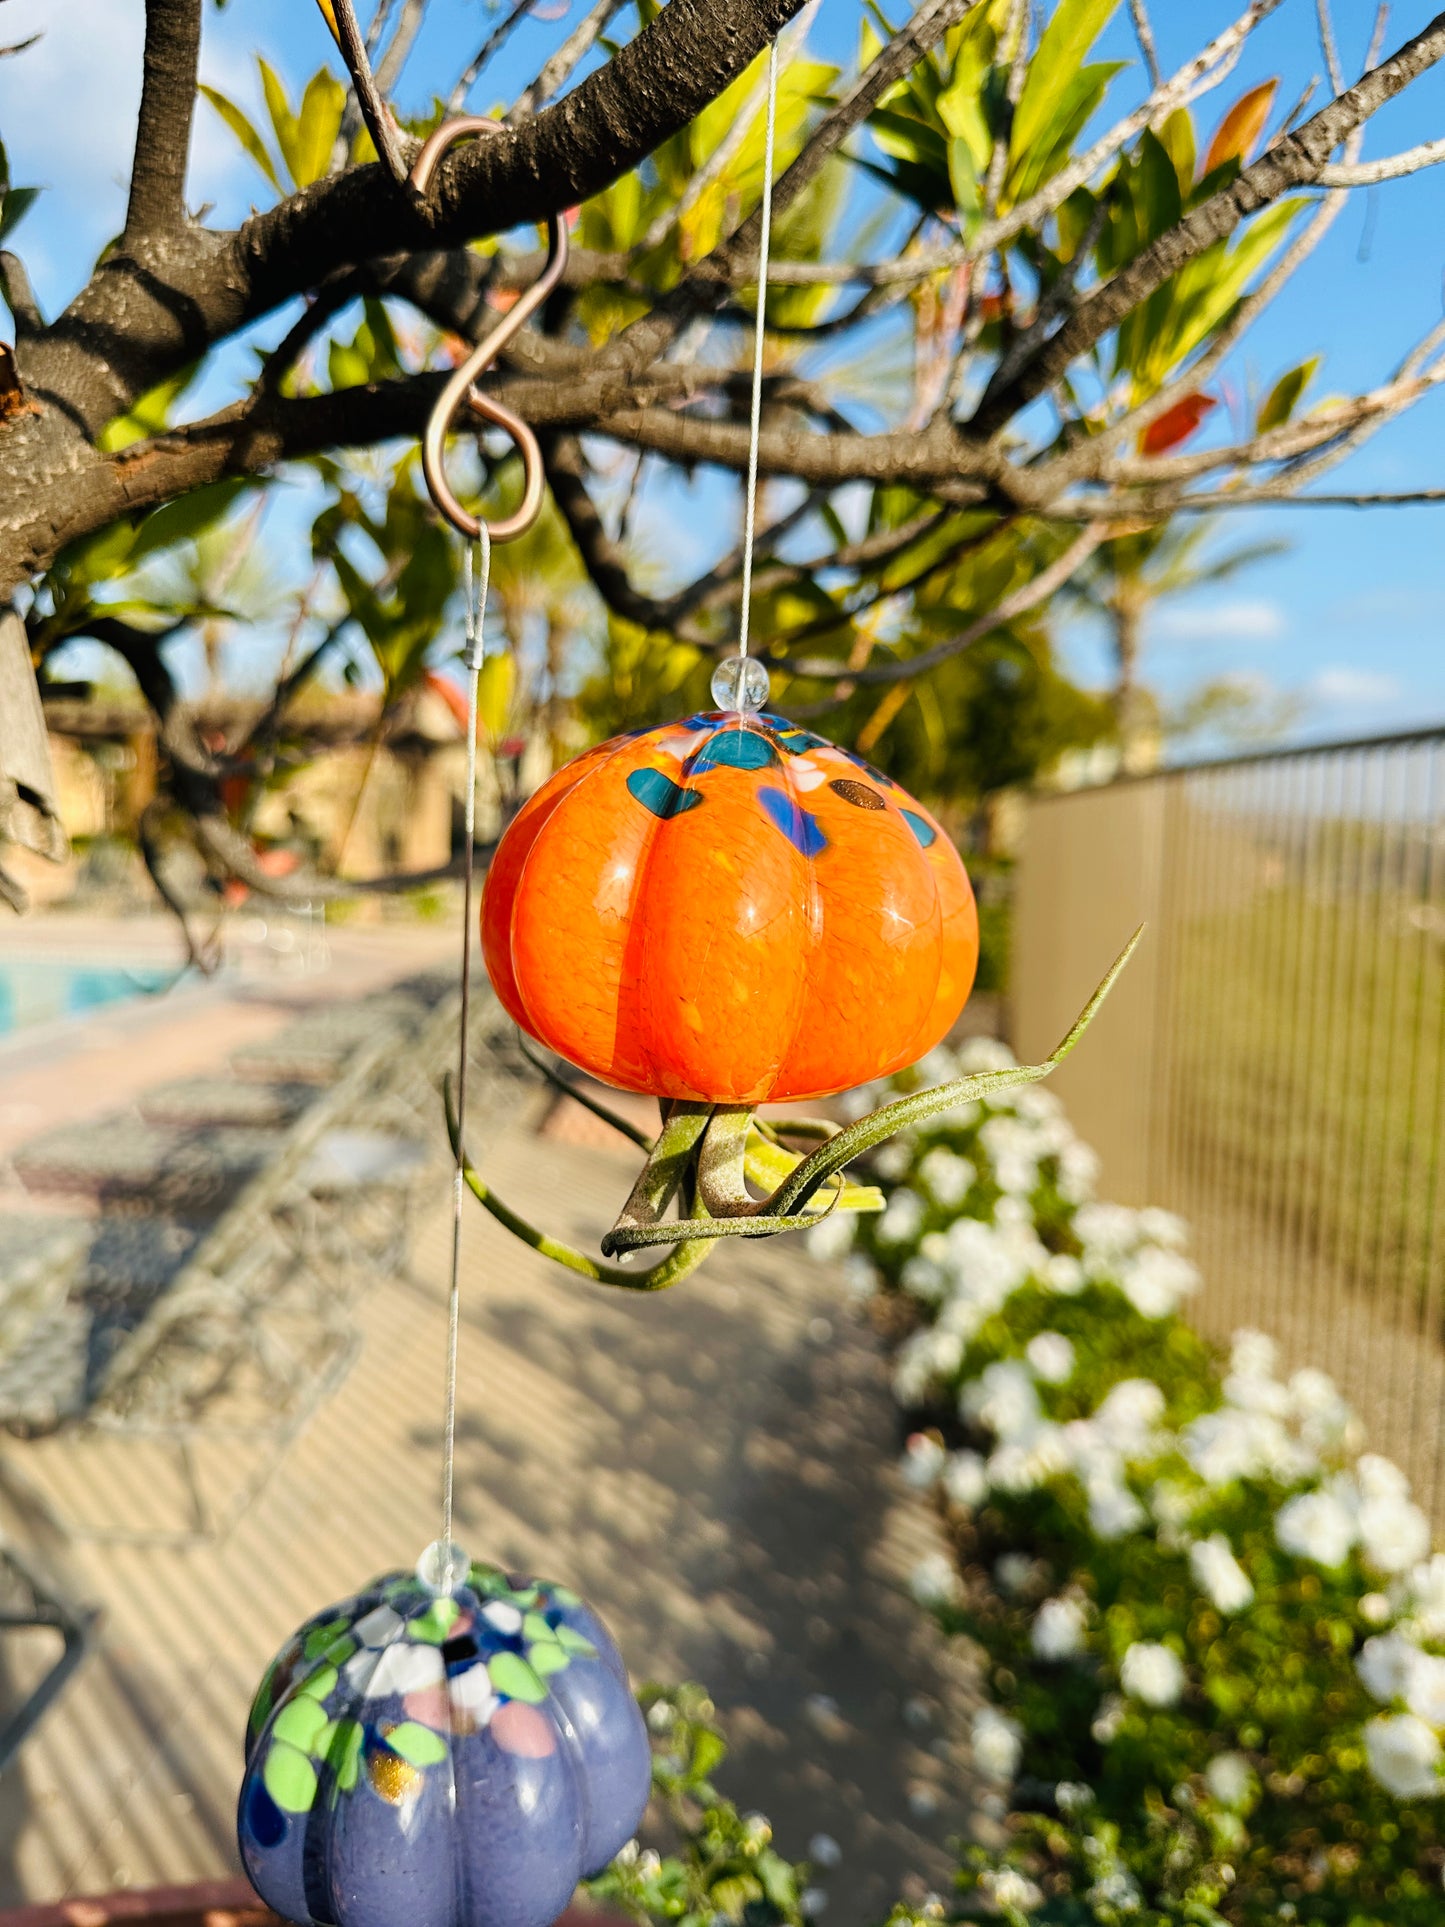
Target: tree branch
1293 162
167 106
556 70
1392 167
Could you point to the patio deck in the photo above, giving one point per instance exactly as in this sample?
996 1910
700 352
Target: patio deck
714 1469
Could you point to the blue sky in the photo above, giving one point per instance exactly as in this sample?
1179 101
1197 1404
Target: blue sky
1350 619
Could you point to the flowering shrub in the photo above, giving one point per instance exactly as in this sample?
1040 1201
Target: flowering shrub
1213 1633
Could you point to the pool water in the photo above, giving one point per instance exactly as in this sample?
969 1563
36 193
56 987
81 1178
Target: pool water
39 990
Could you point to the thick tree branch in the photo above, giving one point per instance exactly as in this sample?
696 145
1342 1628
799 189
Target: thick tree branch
1293 162
167 106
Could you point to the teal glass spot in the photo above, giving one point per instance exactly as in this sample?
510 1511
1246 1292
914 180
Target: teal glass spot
733 749
925 832
797 826
657 792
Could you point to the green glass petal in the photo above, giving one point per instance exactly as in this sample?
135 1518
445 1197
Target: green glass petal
316 1642
534 1626
318 1684
547 1657
562 1597
301 1721
435 1623
573 1642
340 1650
290 1778
343 1752
418 1745
511 1674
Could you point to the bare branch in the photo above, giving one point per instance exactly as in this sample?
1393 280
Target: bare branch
1392 167
1144 34
1016 41
394 59
471 73
167 106
1328 47
559 67
19 295
1046 583
371 90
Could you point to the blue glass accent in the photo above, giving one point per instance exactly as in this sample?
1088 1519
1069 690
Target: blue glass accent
733 749
925 832
797 826
657 792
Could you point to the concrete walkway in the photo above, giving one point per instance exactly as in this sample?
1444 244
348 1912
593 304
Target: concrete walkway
713 1468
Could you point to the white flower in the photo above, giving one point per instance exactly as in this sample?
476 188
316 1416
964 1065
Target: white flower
1027 1461
922 1278
1052 1357
1118 1890
1058 1629
1073 1796
1010 1889
1078 1172
933 1581
998 1744
1385 1664
1230 1779
1108 1719
1404 1756
1016 1573
833 1238
948 1176
1253 1355
1107 1231
1064 1274
1155 1281
903 1220
1375 1609
1425 1689
1013 1150
1427 1596
1316 1526
964 1479
1394 1534
1380 1478
1163 1228
892 1160
923 1459
1232 1444
1152 1673
1114 1512
1322 1415
983 1054
1219 1574
1003 1397
1130 1412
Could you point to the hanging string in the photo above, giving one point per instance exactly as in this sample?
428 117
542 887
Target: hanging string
478 576
750 513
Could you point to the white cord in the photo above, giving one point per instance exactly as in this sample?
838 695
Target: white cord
755 425
477 580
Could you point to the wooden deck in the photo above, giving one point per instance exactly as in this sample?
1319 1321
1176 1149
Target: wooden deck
713 1468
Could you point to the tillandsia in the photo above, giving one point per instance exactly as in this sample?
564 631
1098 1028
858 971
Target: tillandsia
710 1160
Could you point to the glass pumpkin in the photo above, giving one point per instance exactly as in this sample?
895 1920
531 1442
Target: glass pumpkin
730 910
452 1759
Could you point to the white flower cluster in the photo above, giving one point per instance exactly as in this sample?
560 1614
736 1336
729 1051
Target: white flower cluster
1295 1436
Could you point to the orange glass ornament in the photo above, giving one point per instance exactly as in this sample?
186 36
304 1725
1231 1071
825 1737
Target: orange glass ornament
729 910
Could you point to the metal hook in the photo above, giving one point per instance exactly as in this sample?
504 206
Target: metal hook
460 387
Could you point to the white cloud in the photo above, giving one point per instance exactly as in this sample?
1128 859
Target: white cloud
1341 686
1247 619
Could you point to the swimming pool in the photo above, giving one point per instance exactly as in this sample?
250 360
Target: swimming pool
40 990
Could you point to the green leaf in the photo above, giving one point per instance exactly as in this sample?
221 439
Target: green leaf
244 131
181 521
283 121
1066 41
17 202
150 414
709 1750
1283 399
316 127
1031 166
418 1745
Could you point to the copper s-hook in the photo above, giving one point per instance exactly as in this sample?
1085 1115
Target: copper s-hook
460 386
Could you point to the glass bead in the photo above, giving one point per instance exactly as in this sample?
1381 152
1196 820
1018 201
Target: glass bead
441 1568
740 683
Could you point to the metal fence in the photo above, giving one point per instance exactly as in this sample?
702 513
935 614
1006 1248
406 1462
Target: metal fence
1272 1066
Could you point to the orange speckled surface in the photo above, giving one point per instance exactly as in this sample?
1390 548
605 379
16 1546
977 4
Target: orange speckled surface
730 910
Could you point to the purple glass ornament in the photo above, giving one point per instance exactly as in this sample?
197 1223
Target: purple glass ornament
453 1756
